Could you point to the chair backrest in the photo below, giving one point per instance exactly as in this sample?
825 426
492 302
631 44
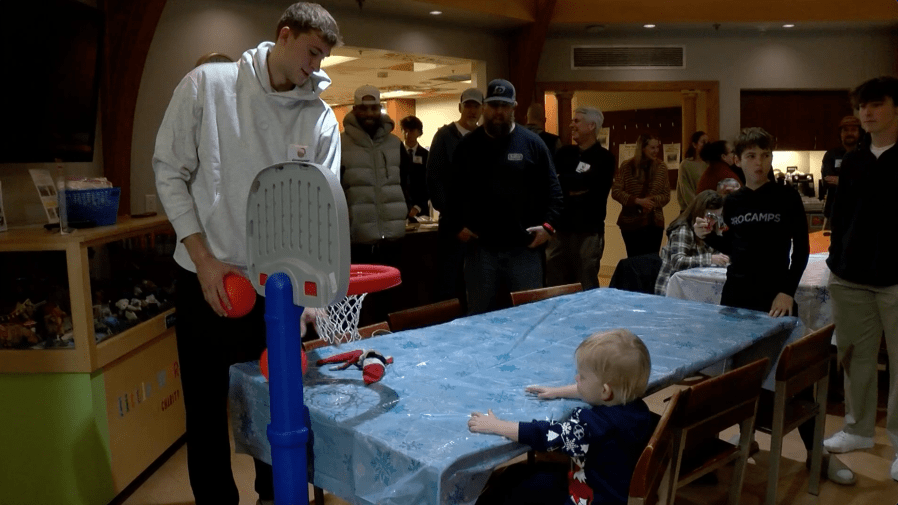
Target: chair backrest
805 361
533 295
725 400
656 456
426 315
638 273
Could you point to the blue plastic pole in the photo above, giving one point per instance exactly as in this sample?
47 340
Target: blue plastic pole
287 431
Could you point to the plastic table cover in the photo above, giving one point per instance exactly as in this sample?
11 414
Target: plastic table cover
813 298
405 440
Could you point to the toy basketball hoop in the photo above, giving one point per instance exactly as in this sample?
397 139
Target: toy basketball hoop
297 227
339 322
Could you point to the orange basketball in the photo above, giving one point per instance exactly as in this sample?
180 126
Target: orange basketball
263 363
241 294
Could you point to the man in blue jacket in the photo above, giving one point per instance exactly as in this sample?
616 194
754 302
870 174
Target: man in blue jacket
503 203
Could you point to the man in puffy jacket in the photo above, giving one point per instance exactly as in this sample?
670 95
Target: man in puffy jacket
372 183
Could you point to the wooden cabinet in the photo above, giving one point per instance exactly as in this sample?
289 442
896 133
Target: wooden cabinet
75 249
82 422
800 120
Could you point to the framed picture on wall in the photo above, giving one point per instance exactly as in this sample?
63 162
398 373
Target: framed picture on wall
625 152
672 156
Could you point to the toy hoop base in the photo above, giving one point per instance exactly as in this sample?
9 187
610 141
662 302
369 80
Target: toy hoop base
339 322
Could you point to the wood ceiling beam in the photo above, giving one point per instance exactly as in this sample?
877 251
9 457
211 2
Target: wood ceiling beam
129 30
714 11
682 11
525 49
522 10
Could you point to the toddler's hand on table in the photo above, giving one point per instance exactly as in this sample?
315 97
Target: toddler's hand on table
720 259
483 423
542 392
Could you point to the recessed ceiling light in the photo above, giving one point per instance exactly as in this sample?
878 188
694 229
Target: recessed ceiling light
398 94
648 26
435 13
788 25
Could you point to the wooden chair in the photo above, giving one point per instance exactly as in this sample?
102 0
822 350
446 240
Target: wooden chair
711 407
802 364
534 295
426 315
657 456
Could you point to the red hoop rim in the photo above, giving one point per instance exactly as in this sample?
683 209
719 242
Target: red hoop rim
372 278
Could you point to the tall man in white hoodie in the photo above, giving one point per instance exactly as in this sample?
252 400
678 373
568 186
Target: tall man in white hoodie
224 124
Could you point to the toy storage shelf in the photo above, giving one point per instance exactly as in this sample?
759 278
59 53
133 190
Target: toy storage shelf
87 355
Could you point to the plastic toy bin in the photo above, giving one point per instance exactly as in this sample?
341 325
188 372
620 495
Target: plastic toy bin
97 205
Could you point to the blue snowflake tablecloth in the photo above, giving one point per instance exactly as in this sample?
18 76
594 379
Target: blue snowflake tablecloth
404 440
813 298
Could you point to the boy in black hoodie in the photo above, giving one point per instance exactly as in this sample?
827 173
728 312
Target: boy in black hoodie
864 282
766 221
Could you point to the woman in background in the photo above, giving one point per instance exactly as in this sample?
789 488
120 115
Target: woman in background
691 169
684 250
642 188
719 156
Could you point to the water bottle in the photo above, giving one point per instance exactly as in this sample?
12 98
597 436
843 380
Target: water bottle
60 195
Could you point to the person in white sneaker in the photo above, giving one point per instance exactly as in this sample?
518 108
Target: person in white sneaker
864 282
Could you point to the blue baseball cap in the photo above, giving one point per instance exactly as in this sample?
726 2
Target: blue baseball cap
499 90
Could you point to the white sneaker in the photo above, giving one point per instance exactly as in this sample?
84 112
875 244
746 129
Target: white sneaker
843 442
894 471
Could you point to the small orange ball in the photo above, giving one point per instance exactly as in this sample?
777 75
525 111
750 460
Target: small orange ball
241 294
263 363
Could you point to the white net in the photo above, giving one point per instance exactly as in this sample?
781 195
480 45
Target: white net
339 323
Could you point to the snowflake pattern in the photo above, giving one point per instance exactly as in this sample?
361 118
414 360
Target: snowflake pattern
410 345
382 464
411 446
823 295
447 387
414 466
456 496
568 435
508 368
502 396
502 358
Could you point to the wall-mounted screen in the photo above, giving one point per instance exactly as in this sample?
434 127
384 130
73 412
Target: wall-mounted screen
51 75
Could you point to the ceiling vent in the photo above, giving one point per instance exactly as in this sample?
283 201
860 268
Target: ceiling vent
632 57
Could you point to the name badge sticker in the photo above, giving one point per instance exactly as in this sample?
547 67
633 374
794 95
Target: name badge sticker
582 167
296 152
418 160
515 156
838 163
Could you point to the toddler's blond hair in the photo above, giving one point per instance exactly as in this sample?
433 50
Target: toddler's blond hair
618 358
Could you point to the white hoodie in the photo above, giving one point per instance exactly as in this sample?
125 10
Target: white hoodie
224 125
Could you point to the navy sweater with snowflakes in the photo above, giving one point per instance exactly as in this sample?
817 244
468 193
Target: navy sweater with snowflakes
604 442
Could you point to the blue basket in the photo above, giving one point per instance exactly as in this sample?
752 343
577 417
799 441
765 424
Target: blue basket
97 205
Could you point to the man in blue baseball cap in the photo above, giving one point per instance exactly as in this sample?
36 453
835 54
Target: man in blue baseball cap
503 203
